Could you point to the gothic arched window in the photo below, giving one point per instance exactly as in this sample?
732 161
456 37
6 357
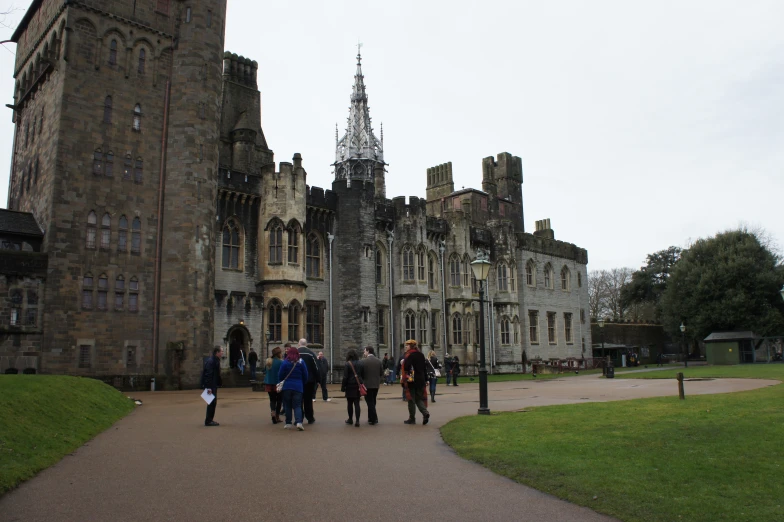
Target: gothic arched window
113 52
136 235
137 117
422 337
502 277
275 320
454 270
122 235
431 272
313 256
379 266
566 279
294 314
505 330
530 273
232 245
293 237
106 231
548 276
409 320
421 264
92 221
276 243
457 329
142 59
408 265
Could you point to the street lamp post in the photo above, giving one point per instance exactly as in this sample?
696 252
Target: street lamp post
683 341
481 268
600 322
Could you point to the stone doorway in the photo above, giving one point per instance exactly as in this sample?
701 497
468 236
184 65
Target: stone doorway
239 345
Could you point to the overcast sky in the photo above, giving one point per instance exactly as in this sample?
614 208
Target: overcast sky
640 124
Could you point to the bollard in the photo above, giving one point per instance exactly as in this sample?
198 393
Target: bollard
152 384
680 386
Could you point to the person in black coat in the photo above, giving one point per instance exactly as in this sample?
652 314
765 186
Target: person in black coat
416 392
309 393
210 380
350 385
253 360
323 364
455 370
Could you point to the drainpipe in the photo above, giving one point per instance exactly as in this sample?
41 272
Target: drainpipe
441 248
158 242
330 237
390 239
491 314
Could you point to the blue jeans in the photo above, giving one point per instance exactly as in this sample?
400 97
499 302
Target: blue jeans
292 400
433 381
391 377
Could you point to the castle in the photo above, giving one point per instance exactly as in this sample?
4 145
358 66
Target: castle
147 221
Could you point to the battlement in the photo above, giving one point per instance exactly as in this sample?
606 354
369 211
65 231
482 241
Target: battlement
503 166
415 205
551 247
239 69
439 174
318 197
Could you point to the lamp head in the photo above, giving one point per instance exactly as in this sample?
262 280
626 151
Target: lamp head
782 291
601 323
683 327
481 267
268 335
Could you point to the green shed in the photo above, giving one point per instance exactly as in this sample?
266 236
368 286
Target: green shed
730 347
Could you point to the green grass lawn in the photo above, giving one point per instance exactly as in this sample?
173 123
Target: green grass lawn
504 377
45 417
708 458
741 371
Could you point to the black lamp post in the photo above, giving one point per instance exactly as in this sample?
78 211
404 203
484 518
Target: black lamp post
600 322
683 341
481 268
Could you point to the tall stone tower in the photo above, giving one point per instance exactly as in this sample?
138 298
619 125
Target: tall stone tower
359 181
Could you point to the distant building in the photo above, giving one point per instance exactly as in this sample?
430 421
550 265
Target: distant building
167 228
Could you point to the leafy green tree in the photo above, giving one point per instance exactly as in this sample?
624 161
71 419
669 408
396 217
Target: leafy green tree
724 283
649 282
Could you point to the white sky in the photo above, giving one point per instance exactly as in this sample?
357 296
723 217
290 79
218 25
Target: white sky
640 125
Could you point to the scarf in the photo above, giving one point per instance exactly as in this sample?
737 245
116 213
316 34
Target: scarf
408 386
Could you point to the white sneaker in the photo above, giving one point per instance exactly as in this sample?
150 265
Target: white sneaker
300 427
287 427
329 400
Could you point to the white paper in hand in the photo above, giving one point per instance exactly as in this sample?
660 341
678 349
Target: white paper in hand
208 397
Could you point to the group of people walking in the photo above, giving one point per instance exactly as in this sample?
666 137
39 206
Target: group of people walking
292 377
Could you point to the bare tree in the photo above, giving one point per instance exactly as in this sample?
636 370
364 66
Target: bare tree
615 281
597 297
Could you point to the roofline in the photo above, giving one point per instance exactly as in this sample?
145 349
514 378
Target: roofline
26 19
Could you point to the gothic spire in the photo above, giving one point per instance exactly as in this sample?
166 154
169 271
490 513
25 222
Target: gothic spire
359 142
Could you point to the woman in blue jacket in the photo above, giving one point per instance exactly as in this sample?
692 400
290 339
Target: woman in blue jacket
270 382
295 375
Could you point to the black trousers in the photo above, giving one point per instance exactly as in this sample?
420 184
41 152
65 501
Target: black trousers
353 406
211 408
308 395
276 402
323 384
454 378
370 400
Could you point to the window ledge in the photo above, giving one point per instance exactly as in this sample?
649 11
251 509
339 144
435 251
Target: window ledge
310 278
275 263
227 269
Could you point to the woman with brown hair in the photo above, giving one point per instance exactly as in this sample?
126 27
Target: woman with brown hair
351 380
270 383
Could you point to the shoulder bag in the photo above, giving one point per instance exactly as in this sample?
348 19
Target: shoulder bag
279 386
436 371
362 387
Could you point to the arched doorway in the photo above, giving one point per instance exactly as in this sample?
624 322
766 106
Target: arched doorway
239 341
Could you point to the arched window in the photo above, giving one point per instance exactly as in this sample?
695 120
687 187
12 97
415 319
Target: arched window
98 162
127 167
92 221
467 271
294 314
274 324
379 266
422 337
137 117
548 276
293 237
87 291
457 329
106 231
138 170
109 166
408 265
113 52
579 280
469 323
409 323
566 279
107 109
431 272
16 308
142 59
313 255
512 270
454 270
231 245
122 235
133 295
505 330
276 244
516 330
502 277
136 235
530 271
119 293
474 283
421 265
103 291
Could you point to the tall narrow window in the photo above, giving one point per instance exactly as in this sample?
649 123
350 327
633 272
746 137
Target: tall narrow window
276 244
422 337
548 276
103 291
467 270
533 326
516 330
582 315
187 15
505 330
579 280
92 221
454 271
457 329
122 235
512 270
382 334
314 323
568 327
87 292
127 167
551 327
379 266
142 60
529 273
410 325
137 117
313 254
231 245
467 328
566 279
98 162
109 166
421 265
209 19
294 313
138 170
474 283
119 293
434 327
133 295
293 237
106 231
136 236
16 308
31 318
85 356
503 278
408 265
431 273
113 52
107 109
275 320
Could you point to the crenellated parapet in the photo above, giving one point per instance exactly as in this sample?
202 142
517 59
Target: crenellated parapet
241 70
320 198
551 247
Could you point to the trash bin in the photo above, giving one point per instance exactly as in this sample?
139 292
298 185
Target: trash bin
610 372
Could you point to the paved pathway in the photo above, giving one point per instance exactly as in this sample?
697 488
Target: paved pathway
161 463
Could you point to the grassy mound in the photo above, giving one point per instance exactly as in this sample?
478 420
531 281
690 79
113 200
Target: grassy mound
708 458
45 417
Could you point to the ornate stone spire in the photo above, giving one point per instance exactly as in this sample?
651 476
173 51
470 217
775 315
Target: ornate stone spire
359 149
